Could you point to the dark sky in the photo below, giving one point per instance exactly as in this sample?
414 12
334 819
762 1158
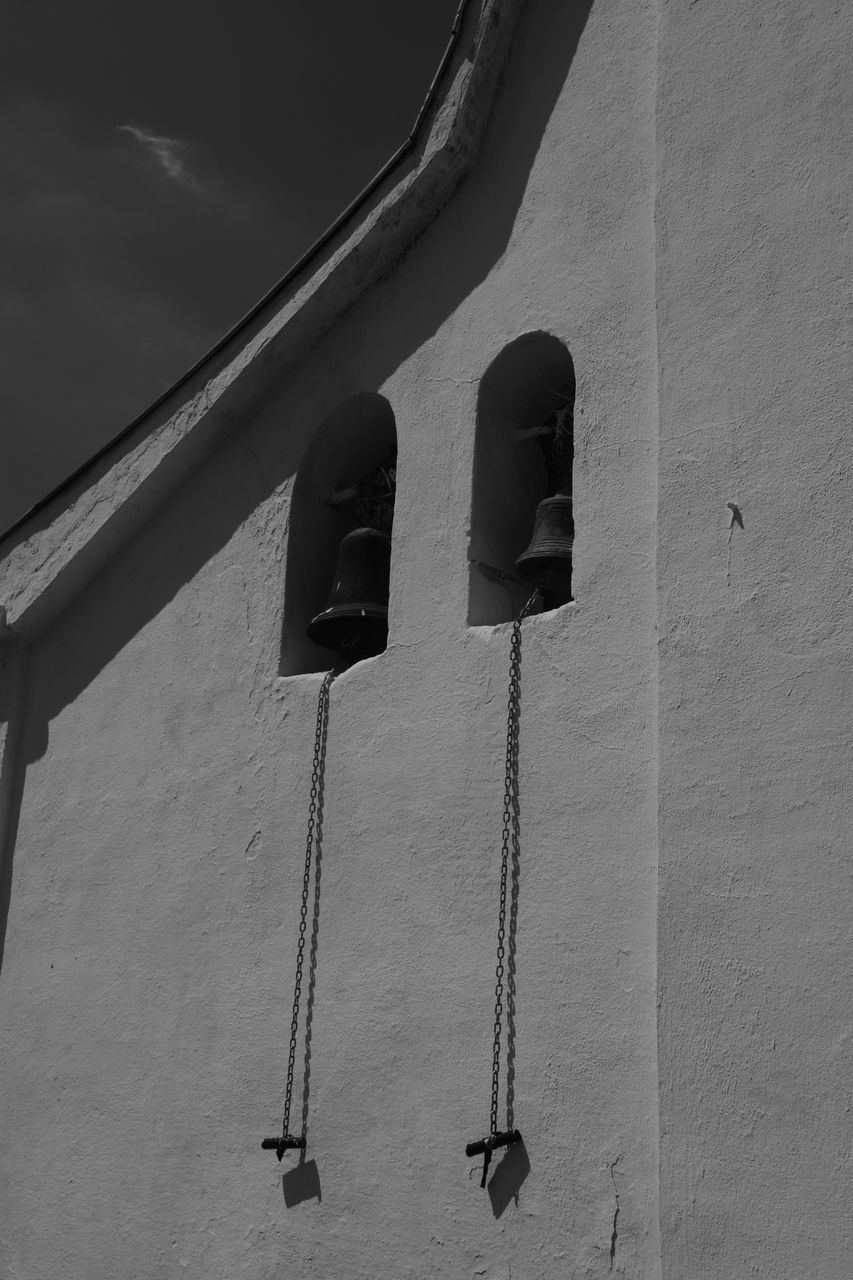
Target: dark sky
163 164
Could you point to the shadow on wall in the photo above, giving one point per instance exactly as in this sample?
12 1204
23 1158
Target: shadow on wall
508 1178
13 684
301 1183
437 273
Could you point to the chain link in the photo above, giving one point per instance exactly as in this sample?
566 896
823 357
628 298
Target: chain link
510 792
320 736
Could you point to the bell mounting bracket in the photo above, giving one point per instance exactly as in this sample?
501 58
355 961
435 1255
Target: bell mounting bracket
286 1142
486 1146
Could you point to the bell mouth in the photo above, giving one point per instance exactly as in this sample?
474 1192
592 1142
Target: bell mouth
549 568
547 562
547 572
355 630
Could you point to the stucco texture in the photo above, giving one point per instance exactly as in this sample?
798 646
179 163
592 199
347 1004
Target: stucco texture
753 268
683 786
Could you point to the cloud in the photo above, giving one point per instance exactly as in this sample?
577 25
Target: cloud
112 284
166 152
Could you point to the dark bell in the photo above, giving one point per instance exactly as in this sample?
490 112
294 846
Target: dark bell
547 562
355 620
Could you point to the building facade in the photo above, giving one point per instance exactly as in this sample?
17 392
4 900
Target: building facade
640 208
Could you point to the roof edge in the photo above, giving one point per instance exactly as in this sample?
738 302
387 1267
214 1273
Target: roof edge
50 554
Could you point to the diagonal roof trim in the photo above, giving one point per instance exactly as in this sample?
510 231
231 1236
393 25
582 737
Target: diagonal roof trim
57 547
310 255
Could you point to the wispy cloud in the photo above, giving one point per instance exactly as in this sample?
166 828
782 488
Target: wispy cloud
115 281
165 152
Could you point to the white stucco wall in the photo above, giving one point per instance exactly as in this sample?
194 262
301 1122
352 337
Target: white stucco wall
687 707
753 254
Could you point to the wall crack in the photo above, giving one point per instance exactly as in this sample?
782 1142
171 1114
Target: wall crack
614 1233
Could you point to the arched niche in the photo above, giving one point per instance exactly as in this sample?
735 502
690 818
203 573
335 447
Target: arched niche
355 439
531 381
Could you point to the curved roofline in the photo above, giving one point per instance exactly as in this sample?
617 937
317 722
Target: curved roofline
56 547
312 252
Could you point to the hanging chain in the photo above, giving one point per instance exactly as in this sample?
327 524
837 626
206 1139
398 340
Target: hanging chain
510 784
320 736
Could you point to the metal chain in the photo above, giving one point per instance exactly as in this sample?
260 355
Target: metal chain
320 736
510 784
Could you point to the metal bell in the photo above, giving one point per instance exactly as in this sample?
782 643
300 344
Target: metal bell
355 620
547 562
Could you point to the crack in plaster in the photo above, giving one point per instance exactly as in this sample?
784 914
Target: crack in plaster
455 382
614 1234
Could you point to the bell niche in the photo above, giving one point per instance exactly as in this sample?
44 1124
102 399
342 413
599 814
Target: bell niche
339 540
522 522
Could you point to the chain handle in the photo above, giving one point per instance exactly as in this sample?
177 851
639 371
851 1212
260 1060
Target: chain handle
320 737
510 784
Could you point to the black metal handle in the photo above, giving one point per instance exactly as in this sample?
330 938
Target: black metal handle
285 1143
493 1141
486 1146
